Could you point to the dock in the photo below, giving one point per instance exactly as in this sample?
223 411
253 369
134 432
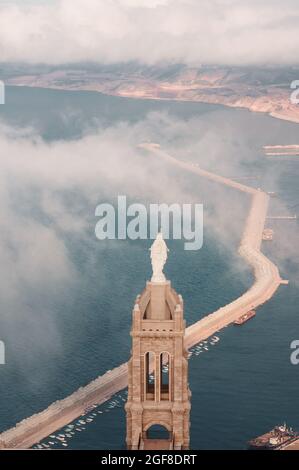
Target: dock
281 150
281 217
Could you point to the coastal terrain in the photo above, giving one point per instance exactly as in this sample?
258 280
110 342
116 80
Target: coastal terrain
268 90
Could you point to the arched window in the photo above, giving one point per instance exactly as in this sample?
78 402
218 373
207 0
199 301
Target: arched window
150 375
164 375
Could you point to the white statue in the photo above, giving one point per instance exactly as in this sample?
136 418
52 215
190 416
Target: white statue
158 257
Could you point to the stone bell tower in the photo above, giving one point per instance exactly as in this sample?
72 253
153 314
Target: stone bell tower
158 405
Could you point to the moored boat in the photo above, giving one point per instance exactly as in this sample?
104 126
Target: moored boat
244 318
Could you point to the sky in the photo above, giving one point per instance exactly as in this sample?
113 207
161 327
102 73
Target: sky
234 32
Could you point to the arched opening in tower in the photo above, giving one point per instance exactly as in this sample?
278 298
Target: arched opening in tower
157 431
164 375
150 375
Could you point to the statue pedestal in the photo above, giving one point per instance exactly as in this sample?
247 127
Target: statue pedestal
158 294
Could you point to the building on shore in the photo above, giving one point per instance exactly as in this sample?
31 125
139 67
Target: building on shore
158 405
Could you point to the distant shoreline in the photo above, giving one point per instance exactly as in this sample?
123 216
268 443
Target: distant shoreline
289 113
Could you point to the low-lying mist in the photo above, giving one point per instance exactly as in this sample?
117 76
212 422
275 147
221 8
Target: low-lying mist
49 192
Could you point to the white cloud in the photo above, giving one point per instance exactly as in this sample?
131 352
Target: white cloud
150 31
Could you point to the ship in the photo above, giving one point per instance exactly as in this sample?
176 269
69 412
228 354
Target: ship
244 318
268 234
275 439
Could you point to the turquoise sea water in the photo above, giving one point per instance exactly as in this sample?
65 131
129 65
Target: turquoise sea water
241 386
